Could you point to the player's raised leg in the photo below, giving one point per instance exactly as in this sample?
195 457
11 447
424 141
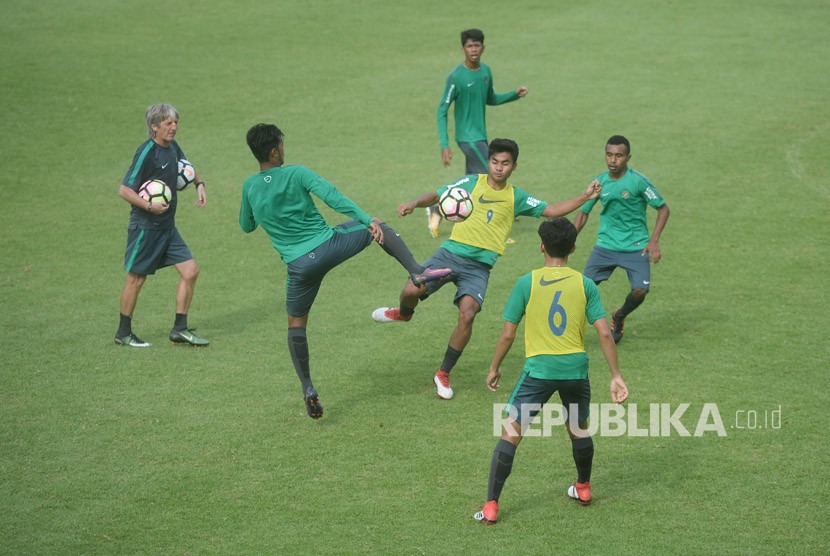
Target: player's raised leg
395 246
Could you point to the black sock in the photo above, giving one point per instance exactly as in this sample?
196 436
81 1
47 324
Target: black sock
181 321
394 245
298 348
583 451
125 326
630 304
500 466
450 359
406 311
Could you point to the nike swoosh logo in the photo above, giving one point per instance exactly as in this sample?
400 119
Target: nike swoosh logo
484 201
164 166
646 282
471 84
605 195
543 282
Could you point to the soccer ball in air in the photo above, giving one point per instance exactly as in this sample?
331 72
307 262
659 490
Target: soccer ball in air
187 173
455 204
155 191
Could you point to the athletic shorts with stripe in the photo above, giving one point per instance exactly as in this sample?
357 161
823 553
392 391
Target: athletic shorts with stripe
149 250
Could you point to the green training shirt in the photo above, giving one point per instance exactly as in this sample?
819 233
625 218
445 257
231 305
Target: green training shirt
280 201
154 162
568 366
622 221
472 91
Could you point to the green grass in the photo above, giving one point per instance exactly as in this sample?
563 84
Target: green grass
183 451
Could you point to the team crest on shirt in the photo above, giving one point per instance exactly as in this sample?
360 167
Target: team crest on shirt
625 194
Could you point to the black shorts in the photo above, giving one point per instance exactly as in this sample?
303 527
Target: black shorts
149 250
305 273
470 277
602 262
535 392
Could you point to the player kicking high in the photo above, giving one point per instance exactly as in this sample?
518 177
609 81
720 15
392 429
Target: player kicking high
558 302
278 198
474 246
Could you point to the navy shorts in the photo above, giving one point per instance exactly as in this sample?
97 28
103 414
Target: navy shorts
305 273
470 277
149 250
535 392
476 155
602 262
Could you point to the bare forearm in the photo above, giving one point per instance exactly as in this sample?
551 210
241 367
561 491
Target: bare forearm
662 217
580 220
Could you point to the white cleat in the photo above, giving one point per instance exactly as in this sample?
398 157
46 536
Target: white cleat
442 385
389 314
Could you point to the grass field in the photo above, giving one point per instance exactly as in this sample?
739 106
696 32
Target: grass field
183 451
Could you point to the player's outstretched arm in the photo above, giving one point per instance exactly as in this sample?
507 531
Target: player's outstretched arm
425 200
563 208
619 391
508 334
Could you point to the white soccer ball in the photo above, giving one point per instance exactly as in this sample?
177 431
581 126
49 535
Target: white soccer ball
455 204
187 173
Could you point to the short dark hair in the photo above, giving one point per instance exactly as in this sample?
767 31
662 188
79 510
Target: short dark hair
558 236
476 34
504 146
619 140
262 138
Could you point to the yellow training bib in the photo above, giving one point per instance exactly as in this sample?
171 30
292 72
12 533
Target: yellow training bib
555 323
491 221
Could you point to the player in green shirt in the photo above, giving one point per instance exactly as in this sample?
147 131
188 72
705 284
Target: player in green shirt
278 198
558 302
474 246
470 86
623 239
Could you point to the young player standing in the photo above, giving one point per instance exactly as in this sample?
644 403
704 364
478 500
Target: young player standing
153 242
470 86
474 246
623 239
278 198
557 302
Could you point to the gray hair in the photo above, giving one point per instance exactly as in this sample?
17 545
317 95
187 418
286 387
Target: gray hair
157 113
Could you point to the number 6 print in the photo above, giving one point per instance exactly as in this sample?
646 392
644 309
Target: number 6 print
557 309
